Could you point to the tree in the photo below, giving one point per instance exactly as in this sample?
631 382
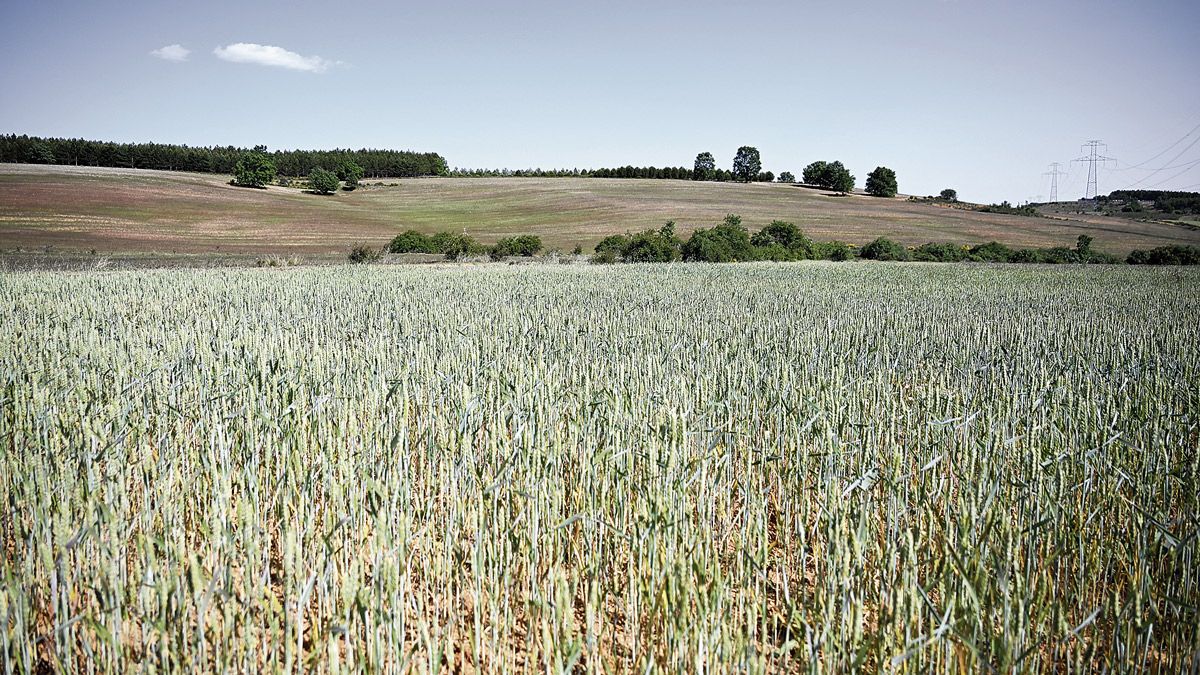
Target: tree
350 172
832 175
949 195
746 164
841 179
787 177
254 169
322 182
881 182
814 174
705 167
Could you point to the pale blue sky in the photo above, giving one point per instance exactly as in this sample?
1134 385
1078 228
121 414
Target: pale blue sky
976 95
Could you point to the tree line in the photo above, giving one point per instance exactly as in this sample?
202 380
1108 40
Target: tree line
212 159
1166 201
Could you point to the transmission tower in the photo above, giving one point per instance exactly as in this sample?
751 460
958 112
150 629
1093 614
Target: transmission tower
1092 157
1054 173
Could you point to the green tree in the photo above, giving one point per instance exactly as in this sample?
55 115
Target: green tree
350 172
705 167
814 174
881 182
322 182
746 164
949 195
254 169
839 178
787 177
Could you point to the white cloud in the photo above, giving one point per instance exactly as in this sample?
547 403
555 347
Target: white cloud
268 55
172 53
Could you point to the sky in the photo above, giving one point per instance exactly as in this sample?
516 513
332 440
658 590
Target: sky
976 95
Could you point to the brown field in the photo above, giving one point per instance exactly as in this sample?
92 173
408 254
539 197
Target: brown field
135 211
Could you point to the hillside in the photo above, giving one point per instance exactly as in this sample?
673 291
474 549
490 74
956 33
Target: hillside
121 210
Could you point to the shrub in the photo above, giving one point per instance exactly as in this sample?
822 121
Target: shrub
990 252
322 182
832 250
1174 254
939 253
884 249
727 242
411 241
456 246
362 254
659 245
785 236
605 257
523 245
614 244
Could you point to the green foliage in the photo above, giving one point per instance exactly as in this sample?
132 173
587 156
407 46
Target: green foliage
939 253
254 169
990 252
363 254
1004 207
884 249
948 195
411 241
661 245
782 241
456 246
787 177
605 257
727 242
668 172
831 175
705 167
881 182
350 173
524 245
1175 254
832 250
39 152
746 164
814 173
322 182
213 159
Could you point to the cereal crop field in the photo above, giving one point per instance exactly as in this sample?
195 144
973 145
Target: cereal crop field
802 467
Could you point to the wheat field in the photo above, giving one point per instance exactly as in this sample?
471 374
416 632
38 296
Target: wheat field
806 467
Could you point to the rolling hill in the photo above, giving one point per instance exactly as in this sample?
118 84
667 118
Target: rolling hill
160 212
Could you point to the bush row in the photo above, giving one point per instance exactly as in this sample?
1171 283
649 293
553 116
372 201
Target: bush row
782 241
455 246
730 241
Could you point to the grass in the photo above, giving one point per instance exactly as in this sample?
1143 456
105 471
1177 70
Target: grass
115 211
764 468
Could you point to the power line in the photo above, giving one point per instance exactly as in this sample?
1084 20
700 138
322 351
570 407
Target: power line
1054 173
1163 152
1092 158
1165 168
